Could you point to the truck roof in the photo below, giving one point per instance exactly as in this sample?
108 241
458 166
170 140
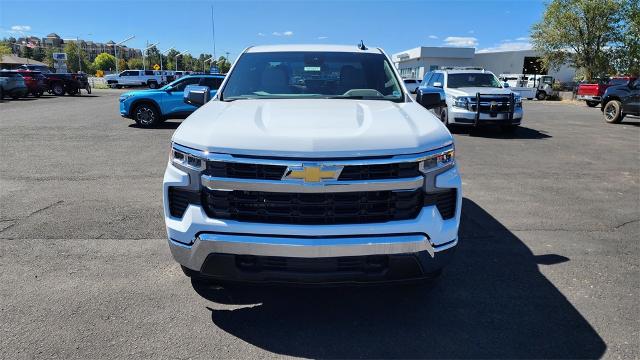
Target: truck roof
312 47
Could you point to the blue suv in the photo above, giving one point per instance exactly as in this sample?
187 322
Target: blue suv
150 107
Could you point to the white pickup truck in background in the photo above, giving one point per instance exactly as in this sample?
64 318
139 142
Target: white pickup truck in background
151 78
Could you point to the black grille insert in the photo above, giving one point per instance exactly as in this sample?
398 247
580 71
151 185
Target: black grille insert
245 171
345 264
445 201
179 200
380 171
329 208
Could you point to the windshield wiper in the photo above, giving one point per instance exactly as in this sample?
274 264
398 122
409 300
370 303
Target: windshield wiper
360 97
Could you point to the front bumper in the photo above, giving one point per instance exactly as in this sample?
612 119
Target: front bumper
467 117
195 237
124 109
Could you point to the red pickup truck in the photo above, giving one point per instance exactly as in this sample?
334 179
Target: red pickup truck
592 93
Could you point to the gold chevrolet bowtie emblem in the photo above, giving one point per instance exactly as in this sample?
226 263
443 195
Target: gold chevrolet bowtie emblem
312 173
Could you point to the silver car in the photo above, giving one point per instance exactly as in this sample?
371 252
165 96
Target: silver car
12 84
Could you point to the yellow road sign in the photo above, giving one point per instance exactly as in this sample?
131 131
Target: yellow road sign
156 67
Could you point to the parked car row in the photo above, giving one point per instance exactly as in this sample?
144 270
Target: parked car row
592 93
149 78
36 80
148 108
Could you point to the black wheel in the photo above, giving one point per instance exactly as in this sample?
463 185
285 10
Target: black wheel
1 94
73 92
152 85
118 86
612 112
444 116
88 88
541 95
57 89
591 103
146 115
15 96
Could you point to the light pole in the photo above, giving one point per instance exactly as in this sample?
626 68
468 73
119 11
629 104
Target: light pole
162 53
206 61
146 51
116 48
182 53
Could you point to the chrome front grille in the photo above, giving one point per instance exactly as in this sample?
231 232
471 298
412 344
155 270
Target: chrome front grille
325 192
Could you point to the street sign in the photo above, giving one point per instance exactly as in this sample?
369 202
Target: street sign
214 70
156 67
60 56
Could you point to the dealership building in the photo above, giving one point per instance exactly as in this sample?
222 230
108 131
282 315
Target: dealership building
414 63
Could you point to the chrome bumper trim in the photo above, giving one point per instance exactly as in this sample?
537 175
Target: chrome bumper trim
194 256
333 186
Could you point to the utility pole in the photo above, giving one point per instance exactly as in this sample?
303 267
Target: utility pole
161 71
146 51
213 32
116 49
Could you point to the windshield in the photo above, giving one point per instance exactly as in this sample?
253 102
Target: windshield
472 80
312 75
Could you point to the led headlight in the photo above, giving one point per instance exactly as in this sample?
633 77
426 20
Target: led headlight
185 160
438 161
461 101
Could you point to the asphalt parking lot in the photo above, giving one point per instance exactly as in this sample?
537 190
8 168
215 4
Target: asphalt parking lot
547 266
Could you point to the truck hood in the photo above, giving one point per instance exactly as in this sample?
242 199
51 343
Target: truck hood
312 128
472 91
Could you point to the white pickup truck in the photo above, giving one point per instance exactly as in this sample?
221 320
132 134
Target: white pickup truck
151 78
313 164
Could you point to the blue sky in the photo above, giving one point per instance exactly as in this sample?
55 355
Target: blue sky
186 25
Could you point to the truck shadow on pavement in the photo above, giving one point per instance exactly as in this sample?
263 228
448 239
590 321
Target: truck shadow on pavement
494 132
491 302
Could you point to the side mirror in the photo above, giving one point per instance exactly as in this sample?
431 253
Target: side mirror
196 95
432 97
169 88
437 84
506 85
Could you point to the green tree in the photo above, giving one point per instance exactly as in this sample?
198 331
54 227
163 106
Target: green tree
38 54
170 64
626 54
134 63
223 65
578 32
73 53
122 65
48 55
5 50
26 52
104 62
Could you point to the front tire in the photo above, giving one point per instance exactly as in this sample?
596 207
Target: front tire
57 89
444 116
541 95
146 115
153 85
591 103
612 112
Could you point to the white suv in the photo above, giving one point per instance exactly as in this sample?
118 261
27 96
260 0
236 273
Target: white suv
473 97
311 164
